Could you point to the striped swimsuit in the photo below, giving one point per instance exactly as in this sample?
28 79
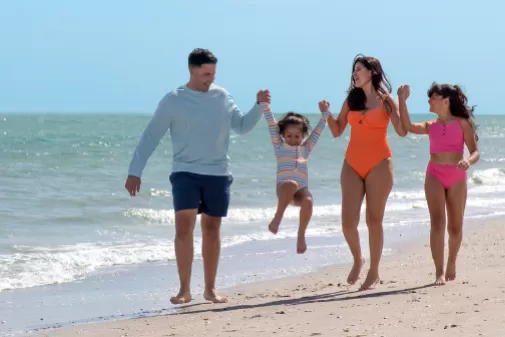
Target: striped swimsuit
292 160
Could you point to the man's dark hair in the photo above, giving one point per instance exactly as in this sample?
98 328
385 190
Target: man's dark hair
199 57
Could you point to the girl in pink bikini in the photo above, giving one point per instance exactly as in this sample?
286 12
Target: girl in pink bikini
445 184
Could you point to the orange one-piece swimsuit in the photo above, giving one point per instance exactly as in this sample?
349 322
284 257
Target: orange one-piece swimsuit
368 145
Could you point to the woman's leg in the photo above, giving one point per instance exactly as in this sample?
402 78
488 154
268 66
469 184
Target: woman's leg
378 185
303 199
456 202
435 197
285 193
353 191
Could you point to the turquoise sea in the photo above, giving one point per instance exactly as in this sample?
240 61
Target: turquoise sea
74 246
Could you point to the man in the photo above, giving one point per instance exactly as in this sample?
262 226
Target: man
199 116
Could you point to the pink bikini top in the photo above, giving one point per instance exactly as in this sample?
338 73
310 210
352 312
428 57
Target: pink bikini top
446 138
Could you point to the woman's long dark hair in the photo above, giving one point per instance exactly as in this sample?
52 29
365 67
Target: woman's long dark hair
458 102
356 98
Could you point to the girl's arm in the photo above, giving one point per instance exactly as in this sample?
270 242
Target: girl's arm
272 124
415 128
337 126
316 133
393 111
470 141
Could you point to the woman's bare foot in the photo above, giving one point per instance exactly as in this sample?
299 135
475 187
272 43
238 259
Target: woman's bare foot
210 295
181 298
372 278
440 279
274 225
450 272
301 245
355 271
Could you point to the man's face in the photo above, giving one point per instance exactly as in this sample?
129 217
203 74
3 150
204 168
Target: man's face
203 76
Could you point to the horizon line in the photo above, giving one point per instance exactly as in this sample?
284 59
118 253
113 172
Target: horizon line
150 113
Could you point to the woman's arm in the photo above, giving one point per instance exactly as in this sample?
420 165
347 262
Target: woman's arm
393 111
337 126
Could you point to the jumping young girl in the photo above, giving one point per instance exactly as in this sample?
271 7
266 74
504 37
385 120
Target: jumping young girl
292 151
445 184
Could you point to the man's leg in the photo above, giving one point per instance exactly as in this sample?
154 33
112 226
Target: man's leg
186 199
211 249
216 198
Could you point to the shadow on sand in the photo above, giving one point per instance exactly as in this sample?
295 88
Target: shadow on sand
322 298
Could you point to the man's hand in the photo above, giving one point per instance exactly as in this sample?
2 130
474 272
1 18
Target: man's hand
263 96
132 185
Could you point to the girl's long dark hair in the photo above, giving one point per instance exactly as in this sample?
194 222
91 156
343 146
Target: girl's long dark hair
356 98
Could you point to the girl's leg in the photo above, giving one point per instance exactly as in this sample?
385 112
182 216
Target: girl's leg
456 202
435 197
303 199
285 193
378 185
353 191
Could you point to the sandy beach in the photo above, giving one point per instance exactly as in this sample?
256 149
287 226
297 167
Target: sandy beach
321 304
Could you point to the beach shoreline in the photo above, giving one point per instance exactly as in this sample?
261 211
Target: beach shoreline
320 303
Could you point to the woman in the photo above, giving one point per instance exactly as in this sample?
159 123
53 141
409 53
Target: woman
445 182
367 169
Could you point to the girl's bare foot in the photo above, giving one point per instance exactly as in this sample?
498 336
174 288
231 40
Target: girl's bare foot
301 245
210 295
274 225
450 273
181 298
440 280
371 281
355 271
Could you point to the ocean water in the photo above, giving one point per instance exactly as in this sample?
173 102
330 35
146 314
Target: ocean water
67 221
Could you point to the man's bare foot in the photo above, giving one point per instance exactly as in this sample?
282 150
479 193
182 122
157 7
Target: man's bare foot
210 295
181 298
355 271
450 272
301 245
440 280
274 225
370 282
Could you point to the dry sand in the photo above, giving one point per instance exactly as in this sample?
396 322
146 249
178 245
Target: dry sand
320 304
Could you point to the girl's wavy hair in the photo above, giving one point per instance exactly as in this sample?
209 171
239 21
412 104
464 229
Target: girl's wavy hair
293 118
356 98
458 102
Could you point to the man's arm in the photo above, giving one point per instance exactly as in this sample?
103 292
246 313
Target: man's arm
242 123
155 130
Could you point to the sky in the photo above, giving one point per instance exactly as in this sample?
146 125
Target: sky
124 56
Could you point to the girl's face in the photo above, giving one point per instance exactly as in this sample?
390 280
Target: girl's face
293 135
438 103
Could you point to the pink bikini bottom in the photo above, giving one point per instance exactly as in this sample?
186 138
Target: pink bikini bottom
448 175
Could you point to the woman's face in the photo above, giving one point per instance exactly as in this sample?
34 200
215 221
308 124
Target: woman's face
361 75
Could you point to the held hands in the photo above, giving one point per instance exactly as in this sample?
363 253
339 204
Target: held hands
263 96
403 92
463 165
132 185
324 106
